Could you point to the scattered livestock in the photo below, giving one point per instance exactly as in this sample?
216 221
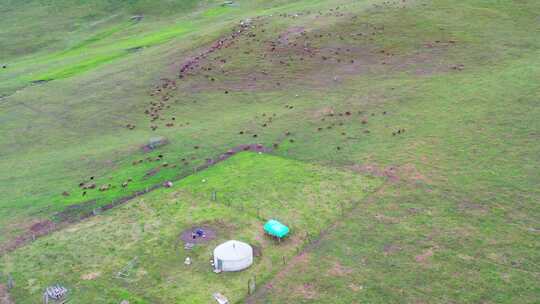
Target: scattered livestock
293 45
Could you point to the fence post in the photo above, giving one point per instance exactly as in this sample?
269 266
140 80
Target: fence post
10 282
252 285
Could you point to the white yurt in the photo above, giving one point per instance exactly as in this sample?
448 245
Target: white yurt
233 256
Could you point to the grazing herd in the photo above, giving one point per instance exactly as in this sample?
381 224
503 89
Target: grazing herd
251 38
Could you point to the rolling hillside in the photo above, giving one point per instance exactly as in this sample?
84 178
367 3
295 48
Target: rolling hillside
398 139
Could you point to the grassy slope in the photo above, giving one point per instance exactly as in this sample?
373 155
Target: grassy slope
465 231
74 127
63 38
472 133
250 187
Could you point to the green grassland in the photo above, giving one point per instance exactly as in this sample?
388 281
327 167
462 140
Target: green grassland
250 188
455 222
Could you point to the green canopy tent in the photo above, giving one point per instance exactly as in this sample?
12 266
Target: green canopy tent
277 229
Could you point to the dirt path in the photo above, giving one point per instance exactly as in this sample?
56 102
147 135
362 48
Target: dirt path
222 43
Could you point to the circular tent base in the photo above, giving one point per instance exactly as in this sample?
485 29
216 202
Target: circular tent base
187 235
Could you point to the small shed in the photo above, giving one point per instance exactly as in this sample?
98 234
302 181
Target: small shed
233 256
275 228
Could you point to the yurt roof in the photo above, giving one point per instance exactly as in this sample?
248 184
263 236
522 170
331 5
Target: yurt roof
233 251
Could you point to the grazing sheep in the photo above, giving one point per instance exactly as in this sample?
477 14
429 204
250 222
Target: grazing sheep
167 184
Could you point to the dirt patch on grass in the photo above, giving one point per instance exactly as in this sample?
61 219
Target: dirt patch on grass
42 228
306 291
190 235
4 295
388 172
75 212
386 219
472 208
326 111
394 174
32 232
390 249
90 276
290 34
152 172
339 270
355 287
154 144
298 261
424 257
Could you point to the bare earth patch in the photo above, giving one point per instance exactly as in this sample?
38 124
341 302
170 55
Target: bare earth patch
390 249
35 230
90 276
4 295
290 34
356 288
339 270
423 258
472 208
187 235
394 174
307 291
